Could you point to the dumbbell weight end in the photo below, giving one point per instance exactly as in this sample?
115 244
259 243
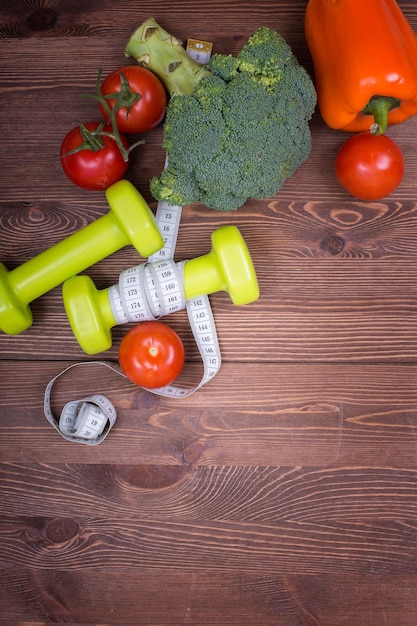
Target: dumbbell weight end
227 267
15 316
89 313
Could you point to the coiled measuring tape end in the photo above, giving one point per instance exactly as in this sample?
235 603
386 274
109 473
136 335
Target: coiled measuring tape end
88 420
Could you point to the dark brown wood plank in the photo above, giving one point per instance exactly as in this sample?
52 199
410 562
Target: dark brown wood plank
184 494
270 415
123 543
241 599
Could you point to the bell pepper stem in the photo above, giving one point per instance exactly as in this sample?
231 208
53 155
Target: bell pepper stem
379 107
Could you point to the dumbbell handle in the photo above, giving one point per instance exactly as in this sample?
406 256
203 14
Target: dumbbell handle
94 242
67 258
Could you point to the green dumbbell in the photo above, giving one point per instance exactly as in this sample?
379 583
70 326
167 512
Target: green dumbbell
130 221
227 267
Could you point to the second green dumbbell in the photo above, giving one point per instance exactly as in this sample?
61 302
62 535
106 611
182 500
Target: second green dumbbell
93 313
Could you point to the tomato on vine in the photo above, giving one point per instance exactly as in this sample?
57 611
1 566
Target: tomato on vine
370 166
136 97
92 157
151 355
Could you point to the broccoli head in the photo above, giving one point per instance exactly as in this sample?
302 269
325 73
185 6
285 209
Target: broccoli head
241 131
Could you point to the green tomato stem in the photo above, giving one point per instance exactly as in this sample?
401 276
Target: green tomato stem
379 107
125 98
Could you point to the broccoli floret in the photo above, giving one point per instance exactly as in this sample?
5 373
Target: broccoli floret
241 131
265 56
223 65
296 90
176 187
209 93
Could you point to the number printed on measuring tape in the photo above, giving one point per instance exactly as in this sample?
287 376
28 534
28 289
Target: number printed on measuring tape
165 281
149 291
88 420
207 343
132 294
117 305
83 419
205 335
168 217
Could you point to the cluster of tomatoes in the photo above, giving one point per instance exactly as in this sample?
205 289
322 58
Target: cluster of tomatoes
131 100
94 155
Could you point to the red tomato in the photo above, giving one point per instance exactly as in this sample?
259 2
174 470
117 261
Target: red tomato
151 355
148 110
93 170
369 166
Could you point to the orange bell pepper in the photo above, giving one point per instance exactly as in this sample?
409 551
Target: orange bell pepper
364 54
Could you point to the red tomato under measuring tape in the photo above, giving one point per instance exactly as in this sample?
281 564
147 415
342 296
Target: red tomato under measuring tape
151 355
149 109
369 166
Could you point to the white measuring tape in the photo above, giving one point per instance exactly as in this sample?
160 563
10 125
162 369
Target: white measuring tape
147 291
88 420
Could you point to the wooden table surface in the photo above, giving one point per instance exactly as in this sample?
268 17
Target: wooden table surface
283 492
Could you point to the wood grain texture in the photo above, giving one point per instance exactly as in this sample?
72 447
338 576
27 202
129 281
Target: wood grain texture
274 600
283 493
275 414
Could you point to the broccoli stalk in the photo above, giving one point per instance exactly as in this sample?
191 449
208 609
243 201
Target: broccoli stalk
235 129
164 55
